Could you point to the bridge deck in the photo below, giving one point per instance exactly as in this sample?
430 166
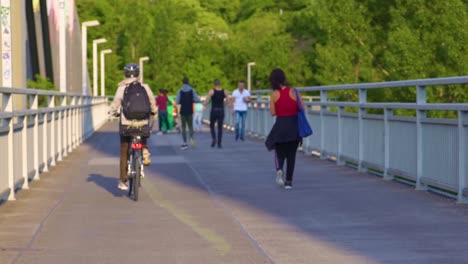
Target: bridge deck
208 205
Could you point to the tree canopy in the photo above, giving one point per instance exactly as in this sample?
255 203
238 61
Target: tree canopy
316 42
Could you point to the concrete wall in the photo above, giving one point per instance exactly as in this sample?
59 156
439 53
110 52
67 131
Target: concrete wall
21 56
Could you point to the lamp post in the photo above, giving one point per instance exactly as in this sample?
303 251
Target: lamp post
95 62
103 69
249 82
84 52
142 59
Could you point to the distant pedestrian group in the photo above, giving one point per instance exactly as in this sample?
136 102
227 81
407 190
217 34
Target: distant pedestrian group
283 138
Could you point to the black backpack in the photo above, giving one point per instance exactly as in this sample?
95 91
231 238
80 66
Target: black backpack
135 102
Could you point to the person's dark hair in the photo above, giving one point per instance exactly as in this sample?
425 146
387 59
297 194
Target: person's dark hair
216 82
242 81
277 79
161 90
185 80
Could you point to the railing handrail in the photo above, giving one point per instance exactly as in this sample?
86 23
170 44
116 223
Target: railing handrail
380 85
33 91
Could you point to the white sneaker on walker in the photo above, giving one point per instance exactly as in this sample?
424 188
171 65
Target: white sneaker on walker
279 178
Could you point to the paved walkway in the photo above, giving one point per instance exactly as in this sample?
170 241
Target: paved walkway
206 205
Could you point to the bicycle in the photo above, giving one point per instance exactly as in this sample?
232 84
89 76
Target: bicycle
135 168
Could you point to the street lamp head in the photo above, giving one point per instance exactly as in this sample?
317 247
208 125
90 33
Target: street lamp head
107 51
144 58
251 63
91 23
99 41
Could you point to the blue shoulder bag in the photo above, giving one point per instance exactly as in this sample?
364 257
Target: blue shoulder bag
304 128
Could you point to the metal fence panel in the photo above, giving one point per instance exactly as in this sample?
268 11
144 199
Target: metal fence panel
374 142
331 133
440 153
313 142
403 147
350 137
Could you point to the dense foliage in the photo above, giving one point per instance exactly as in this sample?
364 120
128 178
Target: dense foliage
317 42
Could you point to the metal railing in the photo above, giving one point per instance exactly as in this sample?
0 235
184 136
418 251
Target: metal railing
431 153
38 136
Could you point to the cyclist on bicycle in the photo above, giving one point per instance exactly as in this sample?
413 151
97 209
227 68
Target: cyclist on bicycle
132 72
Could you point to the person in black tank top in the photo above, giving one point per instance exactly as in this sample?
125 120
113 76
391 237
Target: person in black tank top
217 97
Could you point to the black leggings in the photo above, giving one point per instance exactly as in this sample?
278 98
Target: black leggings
217 116
286 151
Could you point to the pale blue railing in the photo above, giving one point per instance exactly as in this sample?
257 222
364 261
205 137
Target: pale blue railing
34 138
431 153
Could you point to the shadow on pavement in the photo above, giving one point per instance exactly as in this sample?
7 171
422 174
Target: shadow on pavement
384 221
107 183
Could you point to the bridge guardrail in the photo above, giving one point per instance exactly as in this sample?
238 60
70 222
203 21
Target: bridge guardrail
37 137
431 153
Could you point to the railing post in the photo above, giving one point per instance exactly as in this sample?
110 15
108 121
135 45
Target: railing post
362 112
70 125
53 147
45 139
8 103
339 158
266 113
421 99
65 119
387 114
59 131
81 119
75 123
462 157
323 109
68 119
24 149
35 144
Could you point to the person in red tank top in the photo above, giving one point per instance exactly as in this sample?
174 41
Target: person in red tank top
284 136
286 104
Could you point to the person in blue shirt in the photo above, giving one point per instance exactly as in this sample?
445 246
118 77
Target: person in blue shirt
186 97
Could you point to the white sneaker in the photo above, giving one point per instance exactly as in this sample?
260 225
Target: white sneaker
122 186
279 178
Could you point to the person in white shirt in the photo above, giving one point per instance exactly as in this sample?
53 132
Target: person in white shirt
241 99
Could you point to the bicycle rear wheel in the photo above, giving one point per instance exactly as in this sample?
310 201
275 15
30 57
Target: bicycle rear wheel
136 177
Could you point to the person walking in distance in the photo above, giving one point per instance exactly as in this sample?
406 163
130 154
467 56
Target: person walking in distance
241 99
284 136
161 103
218 97
198 116
185 98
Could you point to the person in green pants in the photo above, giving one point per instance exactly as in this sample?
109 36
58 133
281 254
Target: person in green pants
186 96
